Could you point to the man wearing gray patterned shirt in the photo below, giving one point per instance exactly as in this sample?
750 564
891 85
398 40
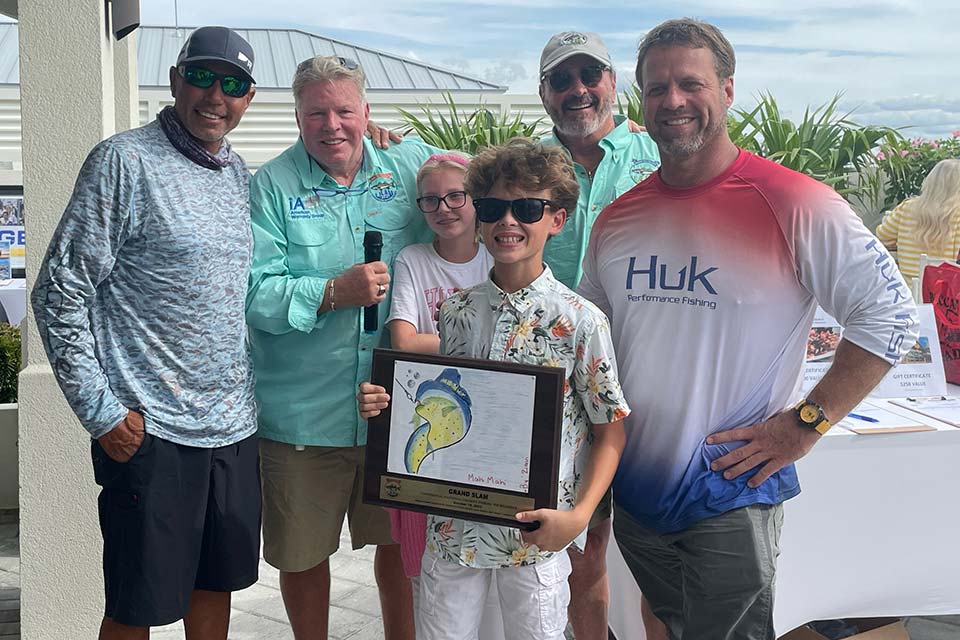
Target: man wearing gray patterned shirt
139 303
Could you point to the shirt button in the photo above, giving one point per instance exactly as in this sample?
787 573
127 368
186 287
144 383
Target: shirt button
594 208
616 156
357 229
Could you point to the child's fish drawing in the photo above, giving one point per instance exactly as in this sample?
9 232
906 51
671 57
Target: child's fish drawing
443 406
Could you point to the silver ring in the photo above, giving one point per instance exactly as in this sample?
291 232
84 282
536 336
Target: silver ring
381 291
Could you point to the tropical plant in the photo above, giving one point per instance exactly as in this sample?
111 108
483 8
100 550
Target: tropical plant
824 145
634 108
905 163
468 132
10 356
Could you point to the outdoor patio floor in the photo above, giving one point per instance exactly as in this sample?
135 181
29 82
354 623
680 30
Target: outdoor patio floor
258 612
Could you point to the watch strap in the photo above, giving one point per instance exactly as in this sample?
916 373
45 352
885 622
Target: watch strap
820 427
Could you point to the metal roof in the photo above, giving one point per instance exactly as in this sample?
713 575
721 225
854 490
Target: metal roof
278 51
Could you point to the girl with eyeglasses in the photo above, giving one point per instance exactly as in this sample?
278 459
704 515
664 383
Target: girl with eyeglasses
423 276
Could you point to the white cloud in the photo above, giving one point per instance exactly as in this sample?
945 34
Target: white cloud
882 54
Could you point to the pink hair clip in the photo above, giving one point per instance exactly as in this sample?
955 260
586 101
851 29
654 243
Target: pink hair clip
448 157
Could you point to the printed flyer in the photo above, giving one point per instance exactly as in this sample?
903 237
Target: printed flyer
920 372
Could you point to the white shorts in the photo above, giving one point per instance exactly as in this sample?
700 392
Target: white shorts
533 599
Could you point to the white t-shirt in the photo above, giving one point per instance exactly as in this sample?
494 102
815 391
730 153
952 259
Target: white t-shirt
422 280
710 293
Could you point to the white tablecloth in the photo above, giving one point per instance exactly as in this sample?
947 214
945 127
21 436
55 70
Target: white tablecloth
13 298
874 532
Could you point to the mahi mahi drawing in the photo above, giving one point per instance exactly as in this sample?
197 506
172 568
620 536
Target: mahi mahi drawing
443 415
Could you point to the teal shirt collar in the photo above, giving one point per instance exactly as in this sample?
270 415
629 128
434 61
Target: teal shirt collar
619 138
312 174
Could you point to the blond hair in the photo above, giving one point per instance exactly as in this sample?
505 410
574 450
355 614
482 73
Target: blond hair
327 69
937 204
440 161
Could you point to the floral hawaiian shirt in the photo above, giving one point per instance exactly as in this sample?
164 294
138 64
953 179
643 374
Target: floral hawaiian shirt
545 324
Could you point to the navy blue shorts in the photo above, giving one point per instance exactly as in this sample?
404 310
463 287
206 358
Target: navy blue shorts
174 519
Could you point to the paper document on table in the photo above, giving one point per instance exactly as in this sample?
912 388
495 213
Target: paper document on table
869 418
939 408
920 372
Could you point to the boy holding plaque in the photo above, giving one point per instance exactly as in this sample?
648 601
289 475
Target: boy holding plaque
522 193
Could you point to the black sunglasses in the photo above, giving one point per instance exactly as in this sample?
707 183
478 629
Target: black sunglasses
562 80
233 86
526 210
453 200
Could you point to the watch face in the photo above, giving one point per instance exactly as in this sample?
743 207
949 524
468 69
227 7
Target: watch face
809 413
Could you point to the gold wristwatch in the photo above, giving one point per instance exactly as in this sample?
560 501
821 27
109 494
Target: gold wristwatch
810 415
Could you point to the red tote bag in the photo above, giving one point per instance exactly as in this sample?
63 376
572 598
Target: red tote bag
941 288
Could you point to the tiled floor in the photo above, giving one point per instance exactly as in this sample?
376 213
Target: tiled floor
258 612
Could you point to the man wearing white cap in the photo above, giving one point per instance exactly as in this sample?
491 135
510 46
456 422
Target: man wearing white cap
578 87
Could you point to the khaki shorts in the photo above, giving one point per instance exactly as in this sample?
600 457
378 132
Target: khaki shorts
713 579
305 497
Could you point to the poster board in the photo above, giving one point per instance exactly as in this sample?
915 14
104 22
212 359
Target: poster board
920 372
12 225
462 437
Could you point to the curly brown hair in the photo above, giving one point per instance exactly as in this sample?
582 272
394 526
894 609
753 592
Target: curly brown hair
525 165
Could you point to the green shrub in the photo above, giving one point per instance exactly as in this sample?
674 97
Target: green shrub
824 145
467 132
634 108
10 355
905 163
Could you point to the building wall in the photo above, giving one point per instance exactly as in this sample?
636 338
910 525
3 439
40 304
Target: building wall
268 126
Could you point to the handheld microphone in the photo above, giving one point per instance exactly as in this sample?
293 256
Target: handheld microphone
372 244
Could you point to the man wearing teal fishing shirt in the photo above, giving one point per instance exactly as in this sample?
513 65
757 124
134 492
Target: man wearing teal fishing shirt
311 207
578 87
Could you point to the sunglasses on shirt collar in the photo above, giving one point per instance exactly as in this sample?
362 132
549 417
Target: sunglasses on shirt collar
525 210
232 85
562 79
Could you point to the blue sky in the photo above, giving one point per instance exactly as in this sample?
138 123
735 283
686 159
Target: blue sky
894 60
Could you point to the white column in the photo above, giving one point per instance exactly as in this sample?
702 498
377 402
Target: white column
125 83
68 105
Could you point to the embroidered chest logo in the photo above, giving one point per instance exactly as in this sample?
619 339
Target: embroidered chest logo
303 209
641 168
383 187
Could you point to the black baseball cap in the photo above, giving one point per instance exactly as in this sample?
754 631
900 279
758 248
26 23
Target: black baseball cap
221 44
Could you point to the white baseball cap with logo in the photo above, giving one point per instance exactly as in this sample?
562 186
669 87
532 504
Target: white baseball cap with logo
570 43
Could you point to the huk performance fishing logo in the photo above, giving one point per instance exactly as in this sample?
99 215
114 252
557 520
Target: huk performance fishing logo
669 285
